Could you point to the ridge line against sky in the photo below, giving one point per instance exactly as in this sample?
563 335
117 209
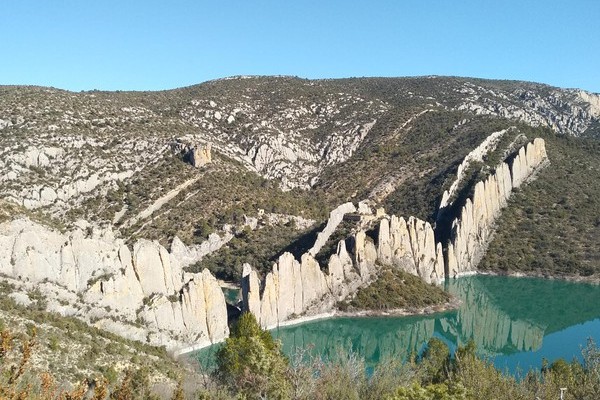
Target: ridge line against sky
157 45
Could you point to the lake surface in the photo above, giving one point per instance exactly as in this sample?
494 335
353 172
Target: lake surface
516 322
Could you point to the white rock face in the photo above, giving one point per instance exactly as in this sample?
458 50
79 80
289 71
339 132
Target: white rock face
335 218
192 254
566 111
472 230
593 101
294 288
484 148
37 157
115 283
250 289
410 246
291 289
201 155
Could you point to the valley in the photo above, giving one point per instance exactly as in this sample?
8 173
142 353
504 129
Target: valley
131 211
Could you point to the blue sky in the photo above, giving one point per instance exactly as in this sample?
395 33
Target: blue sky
149 45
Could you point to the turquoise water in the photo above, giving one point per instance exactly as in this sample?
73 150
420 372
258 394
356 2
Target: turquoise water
232 296
516 322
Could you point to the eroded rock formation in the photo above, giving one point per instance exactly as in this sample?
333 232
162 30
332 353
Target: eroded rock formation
477 154
473 228
335 218
200 155
410 245
295 288
98 272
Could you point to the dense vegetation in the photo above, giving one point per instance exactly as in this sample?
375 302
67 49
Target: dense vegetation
260 248
552 225
222 193
250 366
395 289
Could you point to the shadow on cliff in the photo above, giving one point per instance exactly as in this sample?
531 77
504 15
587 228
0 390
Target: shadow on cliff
302 244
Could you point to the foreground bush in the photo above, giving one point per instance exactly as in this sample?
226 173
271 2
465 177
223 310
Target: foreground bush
251 366
251 362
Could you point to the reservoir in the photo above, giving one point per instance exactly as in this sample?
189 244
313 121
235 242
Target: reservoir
515 322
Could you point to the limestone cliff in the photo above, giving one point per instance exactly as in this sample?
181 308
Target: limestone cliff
295 288
410 246
335 218
201 155
292 288
477 154
97 278
472 229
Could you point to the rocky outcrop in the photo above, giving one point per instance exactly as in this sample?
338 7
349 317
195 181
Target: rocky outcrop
410 245
37 157
335 218
302 288
291 289
484 148
568 111
43 195
200 313
197 154
116 284
592 101
472 230
188 255
294 288
200 155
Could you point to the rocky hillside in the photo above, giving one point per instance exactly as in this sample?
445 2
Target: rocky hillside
107 157
121 208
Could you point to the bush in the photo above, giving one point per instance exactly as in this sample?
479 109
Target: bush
251 363
396 289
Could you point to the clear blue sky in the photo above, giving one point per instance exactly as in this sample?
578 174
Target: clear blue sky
147 45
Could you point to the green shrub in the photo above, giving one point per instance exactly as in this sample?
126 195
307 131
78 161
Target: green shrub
397 289
251 363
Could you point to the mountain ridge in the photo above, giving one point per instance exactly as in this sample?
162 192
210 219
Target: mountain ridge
240 171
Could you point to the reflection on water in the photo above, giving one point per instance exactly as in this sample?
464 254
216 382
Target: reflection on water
508 318
482 319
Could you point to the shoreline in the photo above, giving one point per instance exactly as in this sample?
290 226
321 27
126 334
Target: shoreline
593 280
177 354
453 304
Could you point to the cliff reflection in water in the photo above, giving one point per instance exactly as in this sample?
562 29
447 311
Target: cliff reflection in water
481 319
502 315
